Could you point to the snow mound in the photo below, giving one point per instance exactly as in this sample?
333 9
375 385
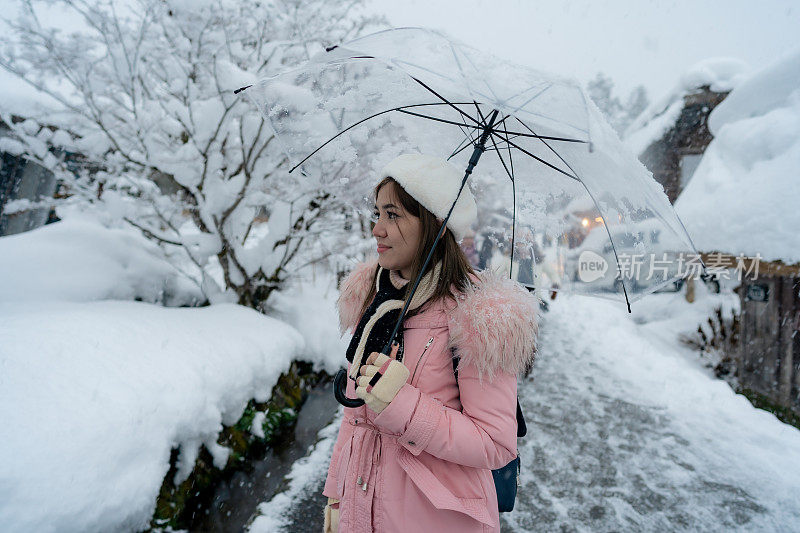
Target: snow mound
772 87
721 74
93 397
749 171
80 260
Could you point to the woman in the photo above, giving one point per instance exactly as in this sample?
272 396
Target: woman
418 455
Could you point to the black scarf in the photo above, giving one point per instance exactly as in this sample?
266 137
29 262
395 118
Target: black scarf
382 313
378 335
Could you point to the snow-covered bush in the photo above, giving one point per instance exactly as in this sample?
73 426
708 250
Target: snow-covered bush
150 133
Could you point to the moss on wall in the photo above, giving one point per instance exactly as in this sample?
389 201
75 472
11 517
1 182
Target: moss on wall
178 504
782 413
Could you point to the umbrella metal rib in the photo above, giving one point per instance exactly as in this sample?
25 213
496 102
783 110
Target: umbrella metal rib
513 204
469 142
613 246
539 159
446 101
481 124
480 127
351 126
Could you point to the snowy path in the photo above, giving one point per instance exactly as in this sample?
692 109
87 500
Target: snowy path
627 431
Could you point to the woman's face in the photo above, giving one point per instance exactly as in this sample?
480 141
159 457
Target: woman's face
397 232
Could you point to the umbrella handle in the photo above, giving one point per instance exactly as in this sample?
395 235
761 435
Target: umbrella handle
340 389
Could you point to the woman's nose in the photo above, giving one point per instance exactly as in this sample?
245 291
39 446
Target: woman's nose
378 230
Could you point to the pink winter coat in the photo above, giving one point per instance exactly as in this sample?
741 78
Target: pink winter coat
424 463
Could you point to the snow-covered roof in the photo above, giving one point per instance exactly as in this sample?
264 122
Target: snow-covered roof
750 173
721 74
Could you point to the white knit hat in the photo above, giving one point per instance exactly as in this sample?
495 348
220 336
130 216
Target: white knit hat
434 183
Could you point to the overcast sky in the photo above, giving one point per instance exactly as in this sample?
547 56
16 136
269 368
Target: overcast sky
645 42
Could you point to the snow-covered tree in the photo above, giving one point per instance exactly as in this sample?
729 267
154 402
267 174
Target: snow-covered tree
146 94
635 104
619 115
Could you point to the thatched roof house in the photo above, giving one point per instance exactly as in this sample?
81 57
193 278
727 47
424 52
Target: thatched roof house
671 135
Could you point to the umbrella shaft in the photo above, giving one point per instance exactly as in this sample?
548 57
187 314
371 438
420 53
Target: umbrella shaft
481 146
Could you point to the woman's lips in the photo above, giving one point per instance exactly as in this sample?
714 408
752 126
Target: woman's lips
382 248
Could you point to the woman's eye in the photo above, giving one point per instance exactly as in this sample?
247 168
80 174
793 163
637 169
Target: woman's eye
389 215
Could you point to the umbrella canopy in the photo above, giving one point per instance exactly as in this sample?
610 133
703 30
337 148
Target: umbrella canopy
554 167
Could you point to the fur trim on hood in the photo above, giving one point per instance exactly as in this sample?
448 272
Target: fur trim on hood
493 326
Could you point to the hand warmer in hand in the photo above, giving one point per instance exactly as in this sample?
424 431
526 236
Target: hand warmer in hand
380 382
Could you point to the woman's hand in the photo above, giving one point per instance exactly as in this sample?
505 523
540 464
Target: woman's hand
331 524
381 378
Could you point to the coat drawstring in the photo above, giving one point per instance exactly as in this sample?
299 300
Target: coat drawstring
368 453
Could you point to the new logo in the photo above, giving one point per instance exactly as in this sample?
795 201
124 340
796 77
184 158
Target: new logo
591 266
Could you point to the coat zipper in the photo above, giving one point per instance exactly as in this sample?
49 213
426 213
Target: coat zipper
430 341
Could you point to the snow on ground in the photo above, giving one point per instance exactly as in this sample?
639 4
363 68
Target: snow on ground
720 74
78 259
277 514
95 394
628 431
749 171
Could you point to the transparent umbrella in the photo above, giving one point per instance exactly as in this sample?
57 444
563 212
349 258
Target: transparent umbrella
554 177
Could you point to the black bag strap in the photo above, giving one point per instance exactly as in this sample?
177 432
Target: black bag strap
522 427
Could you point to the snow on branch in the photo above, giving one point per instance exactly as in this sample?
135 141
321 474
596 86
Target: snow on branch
149 132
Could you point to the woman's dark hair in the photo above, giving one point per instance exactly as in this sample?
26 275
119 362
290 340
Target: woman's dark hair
455 266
